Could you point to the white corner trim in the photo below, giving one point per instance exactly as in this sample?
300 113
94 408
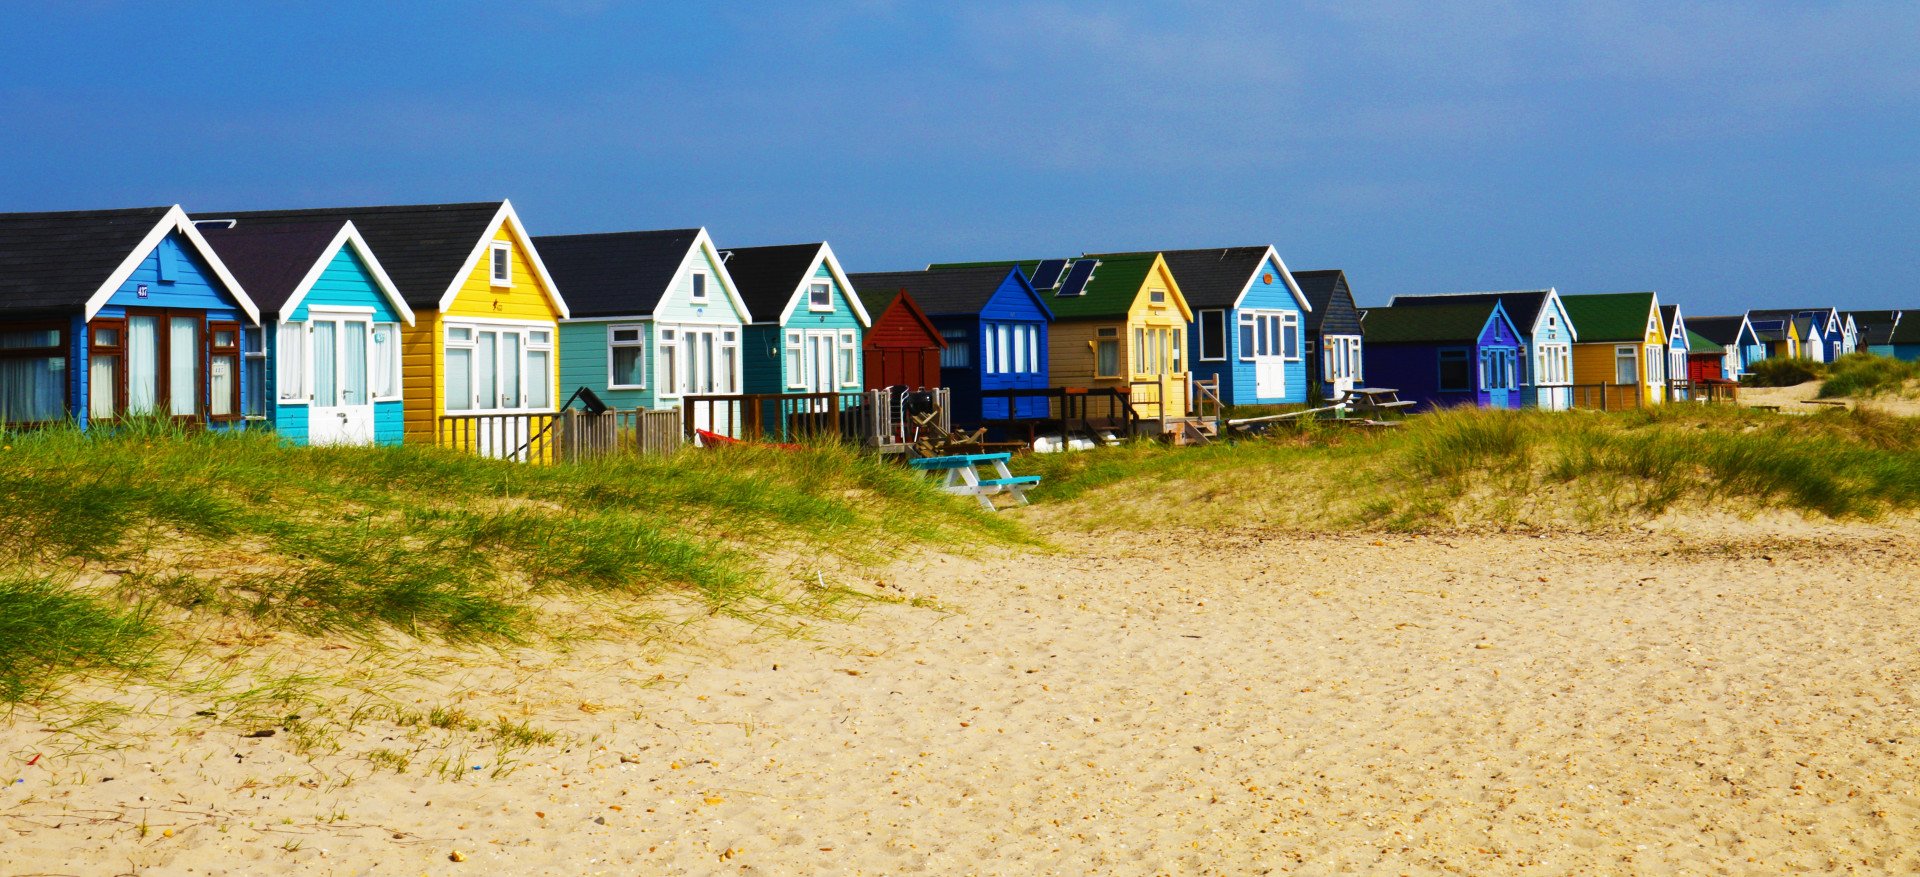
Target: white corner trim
519 233
174 220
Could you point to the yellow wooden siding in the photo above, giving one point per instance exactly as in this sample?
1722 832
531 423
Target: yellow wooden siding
1168 314
423 378
523 300
1593 363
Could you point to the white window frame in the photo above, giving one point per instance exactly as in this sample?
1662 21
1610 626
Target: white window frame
699 282
300 361
670 370
527 342
398 363
814 306
641 344
1632 352
494 263
1656 364
1290 326
1247 320
846 359
1218 318
796 348
1337 354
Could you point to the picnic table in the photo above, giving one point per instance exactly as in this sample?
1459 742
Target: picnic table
963 476
1375 399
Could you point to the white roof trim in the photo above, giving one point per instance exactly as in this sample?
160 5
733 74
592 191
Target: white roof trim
520 236
703 243
1553 295
348 235
175 219
1285 274
846 288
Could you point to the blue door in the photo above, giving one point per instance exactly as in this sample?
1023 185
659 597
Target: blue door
1496 375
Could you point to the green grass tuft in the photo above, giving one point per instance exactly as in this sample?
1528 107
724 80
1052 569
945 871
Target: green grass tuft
1782 372
49 634
1864 375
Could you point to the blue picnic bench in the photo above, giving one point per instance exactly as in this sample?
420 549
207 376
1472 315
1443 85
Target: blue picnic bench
963 476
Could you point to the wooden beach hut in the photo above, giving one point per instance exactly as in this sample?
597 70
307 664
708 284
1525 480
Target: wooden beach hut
1620 359
1735 336
1875 330
1674 324
480 360
903 347
1547 339
1335 343
1247 336
808 327
1707 360
996 331
654 317
332 322
1120 322
1441 355
108 314
1903 342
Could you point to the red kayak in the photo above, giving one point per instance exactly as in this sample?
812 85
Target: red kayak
715 440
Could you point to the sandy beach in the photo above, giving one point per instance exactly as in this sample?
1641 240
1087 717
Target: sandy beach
1727 697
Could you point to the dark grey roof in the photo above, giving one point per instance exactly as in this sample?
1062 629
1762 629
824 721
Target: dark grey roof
1668 313
1523 306
941 293
51 262
423 247
767 277
623 273
1330 297
270 260
1724 331
1214 278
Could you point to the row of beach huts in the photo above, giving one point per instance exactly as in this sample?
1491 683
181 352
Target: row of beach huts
452 324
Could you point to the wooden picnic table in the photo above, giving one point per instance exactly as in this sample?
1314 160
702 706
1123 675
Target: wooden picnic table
1376 398
963 476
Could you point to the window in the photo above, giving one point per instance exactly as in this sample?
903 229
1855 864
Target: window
1174 361
1496 369
1341 357
988 362
502 263
1626 364
385 362
957 354
253 358
699 286
223 371
290 353
1520 368
729 362
1033 350
1020 349
1290 336
795 364
670 362
1456 373
499 367
540 369
820 297
1106 353
1308 346
1213 336
106 368
1157 296
33 373
1654 364
183 365
1248 335
626 357
1002 357
848 354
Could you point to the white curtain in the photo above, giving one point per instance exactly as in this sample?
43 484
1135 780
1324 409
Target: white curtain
183 366
326 356
386 358
485 356
143 364
100 376
539 375
353 364
291 358
31 390
459 379
510 369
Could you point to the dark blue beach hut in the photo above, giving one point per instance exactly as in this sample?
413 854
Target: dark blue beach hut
995 328
1444 355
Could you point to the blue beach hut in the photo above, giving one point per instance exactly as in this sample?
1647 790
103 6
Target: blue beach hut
995 328
1445 355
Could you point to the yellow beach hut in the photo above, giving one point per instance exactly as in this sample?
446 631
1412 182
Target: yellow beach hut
1620 360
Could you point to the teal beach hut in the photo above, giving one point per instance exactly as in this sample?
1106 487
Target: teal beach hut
808 326
331 318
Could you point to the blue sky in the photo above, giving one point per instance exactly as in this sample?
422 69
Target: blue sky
1728 155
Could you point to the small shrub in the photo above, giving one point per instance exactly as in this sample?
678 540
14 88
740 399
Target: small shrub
49 632
1782 372
1862 375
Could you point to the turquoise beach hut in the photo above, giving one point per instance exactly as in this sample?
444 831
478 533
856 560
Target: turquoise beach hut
808 326
331 318
107 314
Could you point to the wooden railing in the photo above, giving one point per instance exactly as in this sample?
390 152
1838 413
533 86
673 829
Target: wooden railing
1068 410
1148 396
1204 398
868 418
1607 397
523 437
566 436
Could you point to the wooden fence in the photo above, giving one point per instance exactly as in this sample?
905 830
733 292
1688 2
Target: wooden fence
869 418
1069 411
1607 397
567 436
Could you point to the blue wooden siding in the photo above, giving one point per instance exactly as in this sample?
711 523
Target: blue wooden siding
1011 305
583 362
1550 327
762 343
1498 335
1414 369
1239 383
389 420
191 285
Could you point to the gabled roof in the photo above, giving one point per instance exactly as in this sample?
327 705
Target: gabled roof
76 260
881 297
428 249
1610 316
1698 343
628 273
1906 332
1522 306
1672 322
1430 323
771 279
1875 327
1319 287
279 264
1724 331
1109 293
1220 278
952 291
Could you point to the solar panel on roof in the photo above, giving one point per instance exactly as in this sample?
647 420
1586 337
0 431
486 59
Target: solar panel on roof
1077 277
1047 275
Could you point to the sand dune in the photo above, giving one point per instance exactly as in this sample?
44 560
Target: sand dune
1728 698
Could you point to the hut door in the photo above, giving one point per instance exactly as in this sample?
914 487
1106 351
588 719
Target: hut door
342 412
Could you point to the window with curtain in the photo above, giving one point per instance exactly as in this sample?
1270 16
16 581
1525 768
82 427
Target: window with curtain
353 363
510 366
820 297
1019 348
957 354
796 363
106 353
183 365
1106 353
1626 364
460 367
143 364
1002 353
253 359
670 362
33 374
385 361
626 363
223 371
729 362
848 354
290 358
326 354
539 369
988 362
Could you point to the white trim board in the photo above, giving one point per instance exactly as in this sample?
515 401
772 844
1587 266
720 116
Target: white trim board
825 255
520 236
349 235
174 220
1299 297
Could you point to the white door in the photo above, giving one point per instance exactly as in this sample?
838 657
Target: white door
342 411
711 355
1269 363
820 358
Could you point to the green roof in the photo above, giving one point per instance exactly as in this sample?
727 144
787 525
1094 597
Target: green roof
1698 343
1109 294
1613 316
1427 324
